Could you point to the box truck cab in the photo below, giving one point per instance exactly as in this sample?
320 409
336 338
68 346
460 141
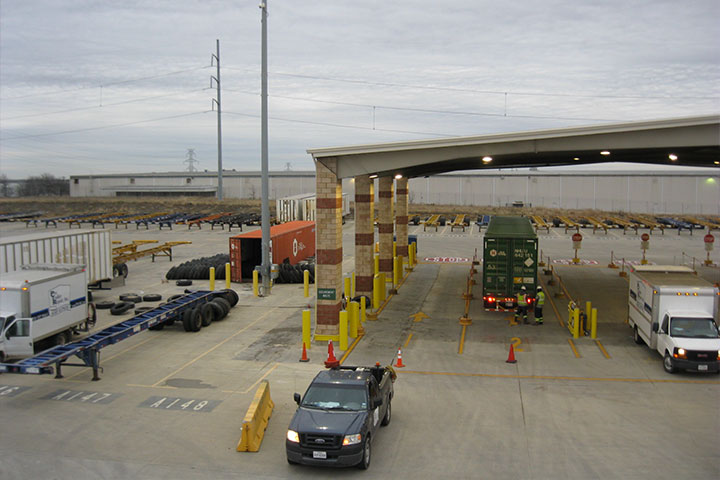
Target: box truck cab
41 302
675 312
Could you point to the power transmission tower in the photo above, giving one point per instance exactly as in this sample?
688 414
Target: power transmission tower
190 160
216 101
288 166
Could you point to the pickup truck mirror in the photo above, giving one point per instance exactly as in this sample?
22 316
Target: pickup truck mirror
655 327
296 397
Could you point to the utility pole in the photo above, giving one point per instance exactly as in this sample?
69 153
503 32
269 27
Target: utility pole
265 204
216 101
190 160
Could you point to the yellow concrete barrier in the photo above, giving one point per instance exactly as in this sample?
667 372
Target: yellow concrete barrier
212 278
343 327
227 275
256 419
306 283
306 320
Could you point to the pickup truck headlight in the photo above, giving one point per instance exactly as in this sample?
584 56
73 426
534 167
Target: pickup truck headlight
352 439
293 436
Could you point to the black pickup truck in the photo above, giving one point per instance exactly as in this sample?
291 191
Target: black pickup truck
339 415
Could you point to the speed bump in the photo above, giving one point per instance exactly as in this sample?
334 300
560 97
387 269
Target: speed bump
256 419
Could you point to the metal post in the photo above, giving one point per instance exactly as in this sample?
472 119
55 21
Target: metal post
265 204
216 57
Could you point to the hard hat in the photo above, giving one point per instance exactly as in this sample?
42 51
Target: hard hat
522 288
539 289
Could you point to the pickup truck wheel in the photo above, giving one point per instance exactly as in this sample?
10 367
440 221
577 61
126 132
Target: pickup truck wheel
667 364
365 462
388 415
636 336
291 462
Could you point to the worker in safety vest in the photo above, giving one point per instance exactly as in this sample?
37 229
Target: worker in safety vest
522 304
539 302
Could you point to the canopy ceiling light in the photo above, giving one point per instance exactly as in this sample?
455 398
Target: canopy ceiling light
487 159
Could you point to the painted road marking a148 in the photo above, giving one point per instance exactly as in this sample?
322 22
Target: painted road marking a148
82 397
11 390
175 403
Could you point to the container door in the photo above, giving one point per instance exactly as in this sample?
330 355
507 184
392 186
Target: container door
18 338
496 267
524 261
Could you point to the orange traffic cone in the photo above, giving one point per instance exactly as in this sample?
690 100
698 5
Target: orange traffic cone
331 360
399 363
304 357
511 356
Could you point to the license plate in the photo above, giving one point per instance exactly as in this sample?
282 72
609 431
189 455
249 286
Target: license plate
508 304
702 367
319 454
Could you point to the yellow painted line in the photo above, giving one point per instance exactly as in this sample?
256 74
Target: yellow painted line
151 386
552 377
261 378
114 356
602 349
572 346
407 341
350 349
552 304
462 340
261 317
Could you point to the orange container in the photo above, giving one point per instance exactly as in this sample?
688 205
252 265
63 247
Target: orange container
293 241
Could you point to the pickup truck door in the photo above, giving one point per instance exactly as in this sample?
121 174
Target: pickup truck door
17 338
374 393
664 342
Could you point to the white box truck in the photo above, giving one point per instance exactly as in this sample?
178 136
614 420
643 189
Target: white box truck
39 302
674 311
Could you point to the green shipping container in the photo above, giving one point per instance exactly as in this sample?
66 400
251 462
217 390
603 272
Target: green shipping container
510 258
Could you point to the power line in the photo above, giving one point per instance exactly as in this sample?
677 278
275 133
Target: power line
108 84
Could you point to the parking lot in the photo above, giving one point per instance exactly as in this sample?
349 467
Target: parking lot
170 404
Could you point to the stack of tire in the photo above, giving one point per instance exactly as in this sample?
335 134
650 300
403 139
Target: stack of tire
127 303
199 268
194 319
294 273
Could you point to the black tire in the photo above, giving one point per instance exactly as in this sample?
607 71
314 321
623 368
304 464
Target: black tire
291 462
187 319
175 297
667 364
131 297
196 319
360 298
152 297
62 338
104 305
140 310
123 269
388 415
121 308
366 457
183 283
224 303
208 314
636 336
218 311
231 296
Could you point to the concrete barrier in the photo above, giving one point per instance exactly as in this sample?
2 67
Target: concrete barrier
256 419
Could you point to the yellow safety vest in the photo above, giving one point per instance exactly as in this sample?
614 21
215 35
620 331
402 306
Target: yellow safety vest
540 299
521 299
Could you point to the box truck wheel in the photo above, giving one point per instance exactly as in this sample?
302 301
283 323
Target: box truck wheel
636 336
668 364
62 338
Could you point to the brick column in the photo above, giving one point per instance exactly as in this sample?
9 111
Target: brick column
328 269
385 225
401 216
364 235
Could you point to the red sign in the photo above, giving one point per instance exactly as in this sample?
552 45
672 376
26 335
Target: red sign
576 237
645 237
709 238
446 259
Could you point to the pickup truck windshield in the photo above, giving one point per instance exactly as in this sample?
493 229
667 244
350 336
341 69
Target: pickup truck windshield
693 327
336 397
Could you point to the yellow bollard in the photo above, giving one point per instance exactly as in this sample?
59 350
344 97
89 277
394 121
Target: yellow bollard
306 328
396 273
588 309
377 264
411 257
306 283
227 275
383 286
376 291
401 262
394 249
593 323
363 308
576 323
377 247
354 318
212 278
255 282
343 329
352 285
346 290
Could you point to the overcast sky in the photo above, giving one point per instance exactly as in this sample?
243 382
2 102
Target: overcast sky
92 87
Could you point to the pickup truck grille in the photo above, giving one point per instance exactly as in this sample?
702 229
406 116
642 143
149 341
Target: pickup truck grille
320 441
702 356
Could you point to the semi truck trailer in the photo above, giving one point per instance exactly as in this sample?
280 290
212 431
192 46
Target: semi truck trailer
675 312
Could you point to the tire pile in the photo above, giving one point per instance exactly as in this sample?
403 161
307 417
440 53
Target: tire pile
294 273
199 268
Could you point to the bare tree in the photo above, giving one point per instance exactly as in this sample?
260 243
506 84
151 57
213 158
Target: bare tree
43 186
4 188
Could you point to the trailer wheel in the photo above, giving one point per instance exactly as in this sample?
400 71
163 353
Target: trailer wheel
186 319
224 304
152 297
121 307
231 296
104 305
218 311
208 314
636 336
668 364
196 319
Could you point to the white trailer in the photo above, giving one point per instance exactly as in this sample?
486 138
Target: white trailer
290 209
674 311
38 302
91 248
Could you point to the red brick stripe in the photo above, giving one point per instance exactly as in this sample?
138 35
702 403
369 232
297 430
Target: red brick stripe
385 194
364 238
402 250
328 314
401 219
359 198
364 283
385 228
328 203
329 256
386 265
402 191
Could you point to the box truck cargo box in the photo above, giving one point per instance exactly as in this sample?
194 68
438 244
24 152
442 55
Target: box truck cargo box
291 241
